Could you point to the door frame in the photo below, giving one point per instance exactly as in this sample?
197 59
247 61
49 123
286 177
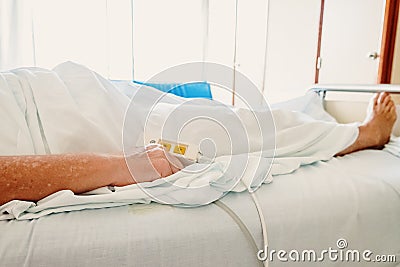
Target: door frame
388 41
320 27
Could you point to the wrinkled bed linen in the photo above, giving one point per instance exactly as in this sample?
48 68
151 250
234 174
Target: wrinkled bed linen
62 110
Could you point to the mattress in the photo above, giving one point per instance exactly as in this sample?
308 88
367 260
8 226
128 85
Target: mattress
356 198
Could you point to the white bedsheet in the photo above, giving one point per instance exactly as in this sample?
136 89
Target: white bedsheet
88 106
356 197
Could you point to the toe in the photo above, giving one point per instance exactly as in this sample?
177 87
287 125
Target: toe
388 105
386 99
393 111
380 97
375 99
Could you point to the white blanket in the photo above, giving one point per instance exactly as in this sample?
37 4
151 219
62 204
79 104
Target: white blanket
72 109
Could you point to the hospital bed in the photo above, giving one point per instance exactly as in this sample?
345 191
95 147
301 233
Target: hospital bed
347 203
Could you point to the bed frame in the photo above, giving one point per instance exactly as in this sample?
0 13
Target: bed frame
348 103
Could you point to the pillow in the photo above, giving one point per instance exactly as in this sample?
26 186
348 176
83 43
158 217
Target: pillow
187 90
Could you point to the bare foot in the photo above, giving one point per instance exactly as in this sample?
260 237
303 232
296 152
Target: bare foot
377 127
380 120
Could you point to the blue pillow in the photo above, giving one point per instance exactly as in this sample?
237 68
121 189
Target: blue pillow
188 90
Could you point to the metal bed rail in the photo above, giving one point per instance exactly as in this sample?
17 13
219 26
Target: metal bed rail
322 89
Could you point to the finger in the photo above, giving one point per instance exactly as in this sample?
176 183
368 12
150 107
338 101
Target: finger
174 169
175 160
153 146
156 152
165 168
175 163
164 162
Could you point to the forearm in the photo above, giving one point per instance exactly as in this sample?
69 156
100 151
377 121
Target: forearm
34 177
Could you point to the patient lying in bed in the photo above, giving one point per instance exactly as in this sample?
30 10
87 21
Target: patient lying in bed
85 172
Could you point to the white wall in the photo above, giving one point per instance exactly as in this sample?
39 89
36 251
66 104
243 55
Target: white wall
291 45
291 48
166 33
96 33
220 42
175 33
250 50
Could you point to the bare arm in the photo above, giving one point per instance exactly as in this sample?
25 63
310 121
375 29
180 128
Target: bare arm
35 177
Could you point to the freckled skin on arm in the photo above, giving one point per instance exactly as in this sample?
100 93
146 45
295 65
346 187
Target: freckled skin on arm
34 177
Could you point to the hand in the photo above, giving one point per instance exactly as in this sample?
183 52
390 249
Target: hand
151 163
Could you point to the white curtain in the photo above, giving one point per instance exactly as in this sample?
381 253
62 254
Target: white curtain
16 34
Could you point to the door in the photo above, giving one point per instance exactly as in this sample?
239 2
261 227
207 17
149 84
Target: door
351 38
